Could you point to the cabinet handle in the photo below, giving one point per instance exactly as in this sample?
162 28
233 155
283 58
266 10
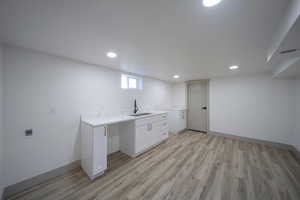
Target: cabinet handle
104 130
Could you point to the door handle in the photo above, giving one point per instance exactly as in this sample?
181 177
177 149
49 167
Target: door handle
204 108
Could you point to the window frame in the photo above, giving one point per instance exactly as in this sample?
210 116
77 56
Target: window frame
138 79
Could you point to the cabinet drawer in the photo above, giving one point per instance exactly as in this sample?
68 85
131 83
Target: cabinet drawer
162 117
164 125
147 120
144 121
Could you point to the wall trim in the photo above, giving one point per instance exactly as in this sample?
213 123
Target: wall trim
295 152
178 132
28 183
264 142
1 193
205 132
182 131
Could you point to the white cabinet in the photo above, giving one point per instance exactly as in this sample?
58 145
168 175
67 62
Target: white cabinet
150 132
135 137
164 130
145 133
177 120
93 149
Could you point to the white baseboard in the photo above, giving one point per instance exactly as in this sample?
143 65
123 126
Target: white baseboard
264 142
296 151
297 147
23 185
179 132
1 193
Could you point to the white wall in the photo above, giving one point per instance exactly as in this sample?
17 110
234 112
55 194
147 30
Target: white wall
1 123
253 106
48 94
179 95
296 139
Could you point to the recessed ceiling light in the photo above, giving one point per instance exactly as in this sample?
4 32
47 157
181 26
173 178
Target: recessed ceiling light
111 54
211 3
233 67
176 76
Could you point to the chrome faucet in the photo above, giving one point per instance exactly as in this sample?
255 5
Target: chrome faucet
136 109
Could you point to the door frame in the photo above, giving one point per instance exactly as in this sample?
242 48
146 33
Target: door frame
203 81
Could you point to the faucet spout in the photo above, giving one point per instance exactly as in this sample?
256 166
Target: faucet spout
136 109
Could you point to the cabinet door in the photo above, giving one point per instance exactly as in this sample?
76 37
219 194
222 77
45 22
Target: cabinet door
142 137
164 125
99 150
156 133
164 130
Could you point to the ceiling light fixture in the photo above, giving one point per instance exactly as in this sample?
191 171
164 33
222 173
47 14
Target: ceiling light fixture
211 3
176 76
233 67
111 54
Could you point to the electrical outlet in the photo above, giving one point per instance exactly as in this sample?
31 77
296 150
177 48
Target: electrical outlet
28 132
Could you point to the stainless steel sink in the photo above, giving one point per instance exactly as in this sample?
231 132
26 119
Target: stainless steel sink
140 114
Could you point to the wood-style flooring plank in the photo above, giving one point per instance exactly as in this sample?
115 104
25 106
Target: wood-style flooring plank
187 166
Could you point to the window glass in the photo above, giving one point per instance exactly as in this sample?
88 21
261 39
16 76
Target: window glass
132 83
124 83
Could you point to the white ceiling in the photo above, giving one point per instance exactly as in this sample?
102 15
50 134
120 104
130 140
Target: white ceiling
157 38
292 71
286 37
291 42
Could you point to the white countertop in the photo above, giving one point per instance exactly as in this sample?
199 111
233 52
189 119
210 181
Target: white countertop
97 121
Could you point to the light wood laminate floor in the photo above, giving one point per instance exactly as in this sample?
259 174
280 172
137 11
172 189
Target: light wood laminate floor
186 166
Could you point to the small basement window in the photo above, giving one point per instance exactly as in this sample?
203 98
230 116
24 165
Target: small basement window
131 82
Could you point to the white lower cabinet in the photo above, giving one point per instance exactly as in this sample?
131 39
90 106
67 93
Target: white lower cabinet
93 150
150 132
143 134
135 137
177 120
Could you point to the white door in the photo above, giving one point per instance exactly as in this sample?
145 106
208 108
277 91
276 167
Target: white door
197 106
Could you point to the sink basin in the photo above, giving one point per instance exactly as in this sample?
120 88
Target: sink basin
140 114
